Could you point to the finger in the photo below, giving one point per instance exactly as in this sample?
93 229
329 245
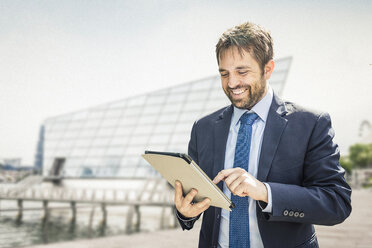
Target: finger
202 209
178 197
230 179
203 203
238 181
189 197
240 190
222 175
219 177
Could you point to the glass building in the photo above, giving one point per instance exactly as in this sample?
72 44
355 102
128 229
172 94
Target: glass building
107 140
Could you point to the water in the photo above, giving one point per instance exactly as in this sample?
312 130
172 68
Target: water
58 228
13 234
31 230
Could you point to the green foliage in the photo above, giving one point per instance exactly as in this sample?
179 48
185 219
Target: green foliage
368 183
346 164
360 155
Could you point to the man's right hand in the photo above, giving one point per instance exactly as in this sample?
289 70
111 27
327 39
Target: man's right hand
185 206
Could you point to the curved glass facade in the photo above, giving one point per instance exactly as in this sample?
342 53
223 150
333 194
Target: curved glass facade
107 140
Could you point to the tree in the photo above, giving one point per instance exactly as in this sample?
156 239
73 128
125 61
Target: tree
346 164
360 155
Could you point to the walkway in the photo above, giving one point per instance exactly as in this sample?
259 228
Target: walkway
355 232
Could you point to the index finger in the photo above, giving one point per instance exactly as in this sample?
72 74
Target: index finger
222 175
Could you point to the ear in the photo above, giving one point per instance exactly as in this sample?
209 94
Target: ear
269 68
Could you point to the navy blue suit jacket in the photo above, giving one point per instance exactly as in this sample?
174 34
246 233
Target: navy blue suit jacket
300 162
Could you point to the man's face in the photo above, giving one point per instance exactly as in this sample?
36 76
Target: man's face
241 78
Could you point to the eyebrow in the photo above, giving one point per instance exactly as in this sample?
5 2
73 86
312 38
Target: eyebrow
236 68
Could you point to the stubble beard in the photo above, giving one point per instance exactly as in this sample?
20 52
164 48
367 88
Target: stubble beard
252 98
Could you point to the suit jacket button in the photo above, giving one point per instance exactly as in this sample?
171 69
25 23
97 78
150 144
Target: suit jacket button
291 213
218 216
302 215
285 213
296 214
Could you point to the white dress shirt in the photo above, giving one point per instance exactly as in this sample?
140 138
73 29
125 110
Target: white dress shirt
261 109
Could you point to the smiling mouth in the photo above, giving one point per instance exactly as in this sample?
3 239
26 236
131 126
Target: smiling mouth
238 91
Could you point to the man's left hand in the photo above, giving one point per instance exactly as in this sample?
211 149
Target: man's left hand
241 183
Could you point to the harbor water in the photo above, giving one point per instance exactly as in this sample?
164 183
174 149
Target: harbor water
34 229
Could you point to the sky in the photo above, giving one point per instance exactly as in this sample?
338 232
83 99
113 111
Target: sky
57 57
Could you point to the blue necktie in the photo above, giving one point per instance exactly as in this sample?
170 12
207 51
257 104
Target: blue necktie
239 216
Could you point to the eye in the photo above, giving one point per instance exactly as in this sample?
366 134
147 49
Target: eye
224 74
242 72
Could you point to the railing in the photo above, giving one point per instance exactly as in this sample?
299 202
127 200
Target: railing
155 193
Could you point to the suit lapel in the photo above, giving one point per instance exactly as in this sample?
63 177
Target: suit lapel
221 132
274 128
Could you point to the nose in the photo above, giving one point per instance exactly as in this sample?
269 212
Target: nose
233 81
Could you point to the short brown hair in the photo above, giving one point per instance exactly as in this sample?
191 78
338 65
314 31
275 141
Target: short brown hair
250 37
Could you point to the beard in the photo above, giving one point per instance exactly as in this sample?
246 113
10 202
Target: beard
255 92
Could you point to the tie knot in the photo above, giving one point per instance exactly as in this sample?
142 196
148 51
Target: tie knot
248 118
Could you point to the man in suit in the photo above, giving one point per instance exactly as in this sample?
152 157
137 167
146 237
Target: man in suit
276 160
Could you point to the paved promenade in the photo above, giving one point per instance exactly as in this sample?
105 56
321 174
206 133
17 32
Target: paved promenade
355 232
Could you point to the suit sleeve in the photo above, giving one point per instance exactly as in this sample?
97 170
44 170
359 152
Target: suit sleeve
324 196
188 223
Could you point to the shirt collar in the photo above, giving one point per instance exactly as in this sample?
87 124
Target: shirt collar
261 108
